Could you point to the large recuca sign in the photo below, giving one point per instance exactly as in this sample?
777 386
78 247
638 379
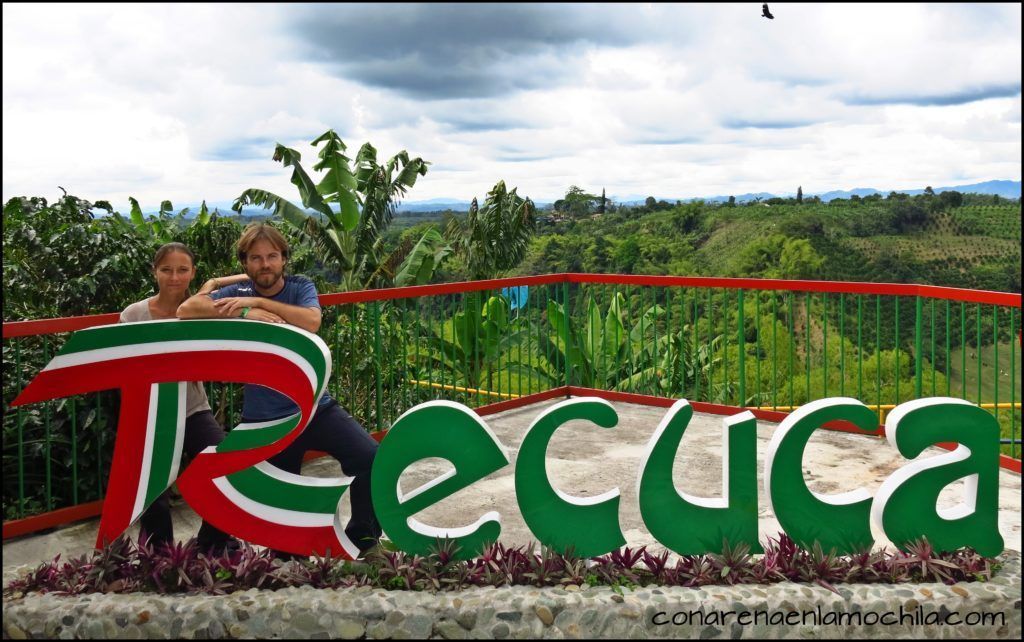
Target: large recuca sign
233 487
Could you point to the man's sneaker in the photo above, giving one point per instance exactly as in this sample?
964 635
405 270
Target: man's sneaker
371 551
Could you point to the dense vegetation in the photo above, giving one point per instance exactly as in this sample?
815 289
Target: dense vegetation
926 239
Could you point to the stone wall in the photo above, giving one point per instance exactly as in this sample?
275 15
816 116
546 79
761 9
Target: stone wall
525 612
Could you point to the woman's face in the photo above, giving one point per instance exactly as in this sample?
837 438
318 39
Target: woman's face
174 273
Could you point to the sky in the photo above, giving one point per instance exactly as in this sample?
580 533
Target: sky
186 102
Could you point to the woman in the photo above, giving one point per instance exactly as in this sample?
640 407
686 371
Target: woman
174 267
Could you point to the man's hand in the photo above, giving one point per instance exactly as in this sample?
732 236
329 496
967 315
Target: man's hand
263 315
201 306
232 306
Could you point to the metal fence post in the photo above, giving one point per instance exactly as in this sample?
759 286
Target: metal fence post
565 331
741 344
917 348
378 360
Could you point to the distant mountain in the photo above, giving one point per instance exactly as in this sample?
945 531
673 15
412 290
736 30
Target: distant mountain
857 191
433 205
442 204
741 198
1006 189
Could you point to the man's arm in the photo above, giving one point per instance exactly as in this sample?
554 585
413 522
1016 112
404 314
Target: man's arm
201 306
307 318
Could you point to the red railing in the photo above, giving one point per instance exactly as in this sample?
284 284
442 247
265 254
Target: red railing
13 329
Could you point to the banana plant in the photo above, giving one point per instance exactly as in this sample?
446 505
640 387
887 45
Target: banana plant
421 261
493 238
609 354
162 228
365 193
603 351
470 345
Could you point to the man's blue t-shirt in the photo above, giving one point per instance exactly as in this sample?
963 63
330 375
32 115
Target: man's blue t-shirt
262 403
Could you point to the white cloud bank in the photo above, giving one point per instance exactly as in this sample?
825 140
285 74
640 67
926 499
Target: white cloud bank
185 102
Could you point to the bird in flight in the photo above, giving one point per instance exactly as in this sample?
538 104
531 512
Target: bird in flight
765 13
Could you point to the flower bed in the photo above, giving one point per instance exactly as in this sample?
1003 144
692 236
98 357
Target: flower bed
130 590
569 611
126 567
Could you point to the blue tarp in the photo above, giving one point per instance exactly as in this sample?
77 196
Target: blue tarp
517 296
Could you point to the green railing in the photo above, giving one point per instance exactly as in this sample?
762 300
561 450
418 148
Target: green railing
765 344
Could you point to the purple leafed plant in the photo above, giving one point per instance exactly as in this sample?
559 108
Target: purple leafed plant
124 566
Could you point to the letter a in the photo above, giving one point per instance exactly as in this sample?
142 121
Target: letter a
905 506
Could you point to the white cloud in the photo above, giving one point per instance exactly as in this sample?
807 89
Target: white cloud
186 101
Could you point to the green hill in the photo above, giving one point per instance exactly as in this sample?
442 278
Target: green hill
918 239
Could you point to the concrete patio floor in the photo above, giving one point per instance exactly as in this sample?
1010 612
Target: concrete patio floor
586 460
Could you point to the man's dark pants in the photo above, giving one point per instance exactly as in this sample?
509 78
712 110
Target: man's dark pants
337 433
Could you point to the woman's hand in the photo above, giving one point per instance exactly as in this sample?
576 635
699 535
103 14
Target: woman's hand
210 286
217 283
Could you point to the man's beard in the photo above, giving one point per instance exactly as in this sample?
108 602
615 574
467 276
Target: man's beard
266 280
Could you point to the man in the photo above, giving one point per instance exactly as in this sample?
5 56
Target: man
272 297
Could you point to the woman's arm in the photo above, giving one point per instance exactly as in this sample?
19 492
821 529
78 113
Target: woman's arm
221 281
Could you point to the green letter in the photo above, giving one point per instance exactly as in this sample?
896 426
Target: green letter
449 431
691 525
589 525
836 521
905 506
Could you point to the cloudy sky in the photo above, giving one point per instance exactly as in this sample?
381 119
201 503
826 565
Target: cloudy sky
186 102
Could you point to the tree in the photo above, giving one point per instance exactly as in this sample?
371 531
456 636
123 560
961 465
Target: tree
799 195
598 257
480 332
908 215
732 201
627 254
577 202
606 352
951 199
493 238
604 201
59 260
778 257
351 238
798 259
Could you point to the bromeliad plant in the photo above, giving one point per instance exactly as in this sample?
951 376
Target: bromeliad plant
126 567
